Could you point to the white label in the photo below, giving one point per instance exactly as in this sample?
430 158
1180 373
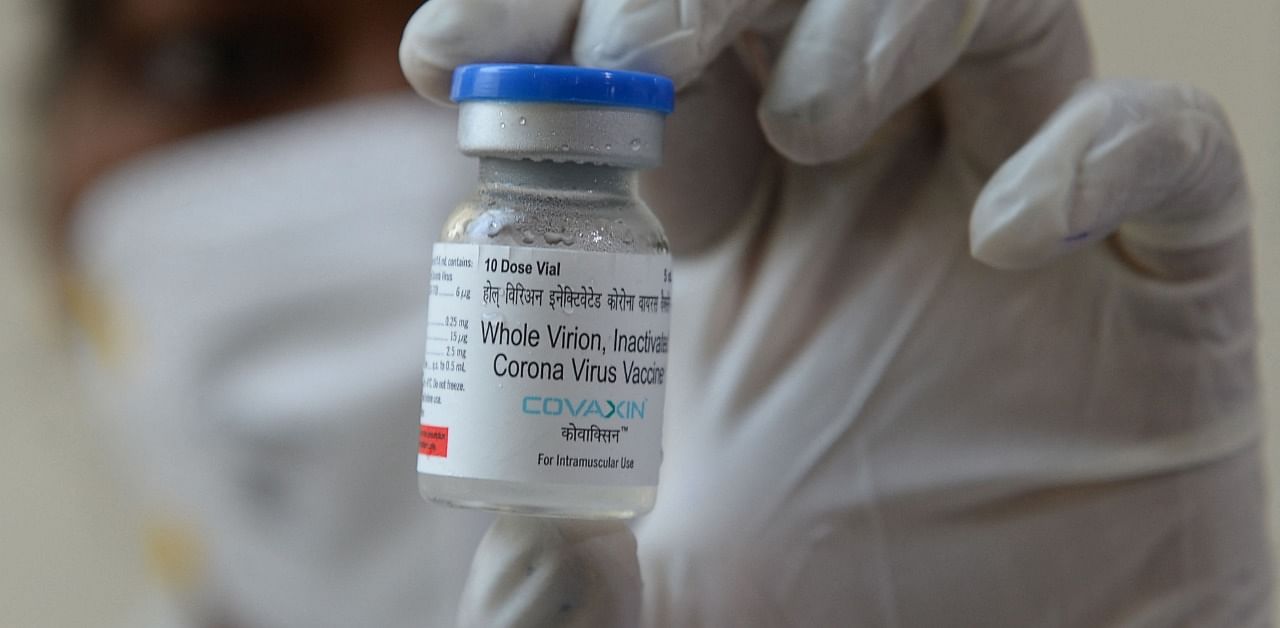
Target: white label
545 365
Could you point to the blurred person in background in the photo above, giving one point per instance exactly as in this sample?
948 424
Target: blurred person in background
247 193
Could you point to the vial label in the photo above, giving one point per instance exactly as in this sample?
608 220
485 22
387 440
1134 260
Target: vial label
545 365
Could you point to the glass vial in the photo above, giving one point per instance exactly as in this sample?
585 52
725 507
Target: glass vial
549 314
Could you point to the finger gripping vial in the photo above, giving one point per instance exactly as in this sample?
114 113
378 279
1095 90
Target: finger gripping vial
550 299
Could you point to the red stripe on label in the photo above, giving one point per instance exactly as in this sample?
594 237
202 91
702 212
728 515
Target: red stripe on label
433 441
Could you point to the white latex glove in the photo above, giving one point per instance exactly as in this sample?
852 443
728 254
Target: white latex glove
531 572
868 426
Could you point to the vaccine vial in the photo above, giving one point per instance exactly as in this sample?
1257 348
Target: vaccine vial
550 299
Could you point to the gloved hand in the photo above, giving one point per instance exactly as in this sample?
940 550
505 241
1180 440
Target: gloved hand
896 401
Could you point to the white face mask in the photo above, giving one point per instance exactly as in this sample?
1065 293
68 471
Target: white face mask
267 288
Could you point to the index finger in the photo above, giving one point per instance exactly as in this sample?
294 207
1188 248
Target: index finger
444 34
677 38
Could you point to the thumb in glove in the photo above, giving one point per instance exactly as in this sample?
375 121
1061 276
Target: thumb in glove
534 572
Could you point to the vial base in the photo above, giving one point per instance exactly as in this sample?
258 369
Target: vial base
538 499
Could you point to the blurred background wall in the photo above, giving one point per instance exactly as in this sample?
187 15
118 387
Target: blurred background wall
69 555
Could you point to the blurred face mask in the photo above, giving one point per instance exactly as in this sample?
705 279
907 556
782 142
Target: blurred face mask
256 354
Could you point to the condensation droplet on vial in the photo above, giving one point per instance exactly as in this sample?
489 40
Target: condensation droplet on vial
628 237
635 144
564 148
553 237
527 237
569 239
502 125
608 146
493 229
523 121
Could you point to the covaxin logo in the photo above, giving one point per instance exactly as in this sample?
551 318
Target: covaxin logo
602 408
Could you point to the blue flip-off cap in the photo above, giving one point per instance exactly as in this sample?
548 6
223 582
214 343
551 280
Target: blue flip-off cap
563 84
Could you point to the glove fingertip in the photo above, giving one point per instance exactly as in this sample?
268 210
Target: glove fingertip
1031 211
1023 218
426 77
811 123
798 134
1004 247
435 85
989 244
429 81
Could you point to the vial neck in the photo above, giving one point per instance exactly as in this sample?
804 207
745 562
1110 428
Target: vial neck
565 177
